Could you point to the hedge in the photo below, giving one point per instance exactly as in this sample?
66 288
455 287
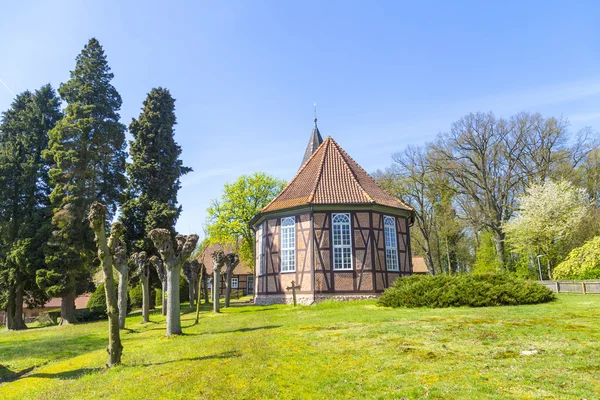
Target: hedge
472 290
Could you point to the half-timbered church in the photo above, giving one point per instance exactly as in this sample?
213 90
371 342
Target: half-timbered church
333 231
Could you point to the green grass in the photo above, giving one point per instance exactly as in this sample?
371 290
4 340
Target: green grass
331 350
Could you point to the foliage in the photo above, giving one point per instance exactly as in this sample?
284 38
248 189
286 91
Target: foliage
550 214
155 172
452 353
97 301
473 290
229 217
582 263
136 296
485 255
24 197
86 152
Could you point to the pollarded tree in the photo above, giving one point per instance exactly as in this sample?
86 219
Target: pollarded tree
229 217
107 250
550 214
219 259
120 264
87 156
191 273
142 268
161 271
231 261
174 252
24 198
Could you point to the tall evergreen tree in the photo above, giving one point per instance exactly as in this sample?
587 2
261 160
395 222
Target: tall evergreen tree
155 172
24 198
87 154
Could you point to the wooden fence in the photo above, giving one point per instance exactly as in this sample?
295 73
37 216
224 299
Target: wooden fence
582 287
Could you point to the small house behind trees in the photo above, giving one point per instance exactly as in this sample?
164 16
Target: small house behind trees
242 277
333 231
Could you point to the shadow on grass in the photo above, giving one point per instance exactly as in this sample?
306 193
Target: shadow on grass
239 330
227 354
6 375
74 374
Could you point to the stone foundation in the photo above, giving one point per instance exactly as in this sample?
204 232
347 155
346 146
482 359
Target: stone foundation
306 300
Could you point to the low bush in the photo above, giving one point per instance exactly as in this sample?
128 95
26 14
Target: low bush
136 296
472 290
97 304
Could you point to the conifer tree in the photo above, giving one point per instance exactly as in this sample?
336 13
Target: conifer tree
155 172
24 201
86 151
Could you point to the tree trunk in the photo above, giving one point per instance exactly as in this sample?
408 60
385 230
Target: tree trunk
115 348
192 292
165 285
122 295
198 291
205 284
67 308
216 290
228 286
97 220
10 309
173 307
499 242
549 269
145 299
18 321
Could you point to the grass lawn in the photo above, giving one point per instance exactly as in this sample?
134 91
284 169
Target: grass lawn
331 350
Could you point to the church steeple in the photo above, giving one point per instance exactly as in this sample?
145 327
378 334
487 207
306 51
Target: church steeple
314 142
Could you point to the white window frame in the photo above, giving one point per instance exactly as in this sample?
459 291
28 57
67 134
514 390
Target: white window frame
342 258
391 243
235 283
260 250
287 236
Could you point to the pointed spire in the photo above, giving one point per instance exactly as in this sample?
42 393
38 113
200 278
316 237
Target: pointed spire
314 142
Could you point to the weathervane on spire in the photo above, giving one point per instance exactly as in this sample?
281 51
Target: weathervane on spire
315 105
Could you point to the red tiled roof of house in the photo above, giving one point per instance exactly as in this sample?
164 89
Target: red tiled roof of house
206 258
80 302
331 176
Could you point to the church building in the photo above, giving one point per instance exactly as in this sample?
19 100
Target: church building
333 231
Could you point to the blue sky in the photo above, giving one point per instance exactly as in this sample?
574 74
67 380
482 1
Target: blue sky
384 74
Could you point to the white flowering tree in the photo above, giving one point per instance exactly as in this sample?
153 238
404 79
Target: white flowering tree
550 214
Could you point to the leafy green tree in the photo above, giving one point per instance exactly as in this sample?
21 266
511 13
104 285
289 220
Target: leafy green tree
24 201
550 213
155 172
229 217
87 154
582 263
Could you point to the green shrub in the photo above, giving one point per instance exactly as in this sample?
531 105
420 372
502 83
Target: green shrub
184 295
136 296
473 290
582 263
97 302
158 298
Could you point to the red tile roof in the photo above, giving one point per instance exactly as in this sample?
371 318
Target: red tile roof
331 176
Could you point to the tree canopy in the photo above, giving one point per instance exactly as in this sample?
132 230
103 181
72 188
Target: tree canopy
87 156
229 216
154 173
24 198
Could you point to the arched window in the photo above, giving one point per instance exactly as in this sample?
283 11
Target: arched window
391 243
288 244
342 241
260 249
